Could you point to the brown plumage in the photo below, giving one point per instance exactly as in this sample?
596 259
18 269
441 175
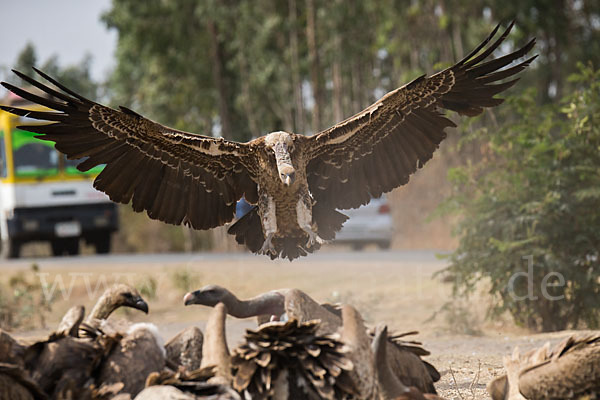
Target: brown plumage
15 384
296 182
11 351
390 386
136 354
404 359
62 365
570 370
290 360
185 349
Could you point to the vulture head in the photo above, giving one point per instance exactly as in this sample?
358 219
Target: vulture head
118 295
209 295
281 144
127 296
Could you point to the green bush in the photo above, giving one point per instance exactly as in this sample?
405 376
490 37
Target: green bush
530 213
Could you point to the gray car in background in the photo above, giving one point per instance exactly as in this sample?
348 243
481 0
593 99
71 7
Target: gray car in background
369 224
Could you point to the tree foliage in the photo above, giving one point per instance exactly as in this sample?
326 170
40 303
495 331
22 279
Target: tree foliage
531 221
194 65
77 76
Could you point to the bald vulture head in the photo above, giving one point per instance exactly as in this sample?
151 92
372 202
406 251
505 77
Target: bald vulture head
281 144
209 295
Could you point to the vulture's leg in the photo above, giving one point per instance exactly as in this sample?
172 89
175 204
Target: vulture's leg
304 216
269 223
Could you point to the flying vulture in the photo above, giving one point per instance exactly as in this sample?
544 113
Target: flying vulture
295 182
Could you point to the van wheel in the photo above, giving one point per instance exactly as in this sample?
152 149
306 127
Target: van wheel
102 243
11 248
68 246
384 245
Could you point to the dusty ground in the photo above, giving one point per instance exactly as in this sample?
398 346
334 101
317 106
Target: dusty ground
395 288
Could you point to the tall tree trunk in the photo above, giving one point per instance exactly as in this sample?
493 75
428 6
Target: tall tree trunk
358 88
219 78
315 68
295 64
338 107
459 51
250 113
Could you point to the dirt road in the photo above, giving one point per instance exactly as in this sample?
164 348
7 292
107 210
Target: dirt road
395 288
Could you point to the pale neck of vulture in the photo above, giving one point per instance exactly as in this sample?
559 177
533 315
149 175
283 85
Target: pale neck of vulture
105 305
214 348
271 303
354 335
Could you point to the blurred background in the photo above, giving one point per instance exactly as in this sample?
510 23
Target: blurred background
521 180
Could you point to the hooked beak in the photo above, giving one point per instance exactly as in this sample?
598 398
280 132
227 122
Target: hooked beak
288 180
189 298
141 305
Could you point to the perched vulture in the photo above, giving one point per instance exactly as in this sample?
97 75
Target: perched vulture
403 356
295 182
275 305
569 370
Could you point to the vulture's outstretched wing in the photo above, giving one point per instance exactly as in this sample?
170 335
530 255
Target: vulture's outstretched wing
175 176
379 148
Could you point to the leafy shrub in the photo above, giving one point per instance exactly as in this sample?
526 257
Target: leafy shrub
530 225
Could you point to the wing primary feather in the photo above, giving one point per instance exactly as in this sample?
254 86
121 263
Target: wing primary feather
43 87
47 102
61 87
491 48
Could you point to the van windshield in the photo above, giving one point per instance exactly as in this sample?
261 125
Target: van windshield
33 157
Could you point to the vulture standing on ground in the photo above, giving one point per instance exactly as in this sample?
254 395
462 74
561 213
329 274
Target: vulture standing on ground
296 182
275 305
283 304
569 370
